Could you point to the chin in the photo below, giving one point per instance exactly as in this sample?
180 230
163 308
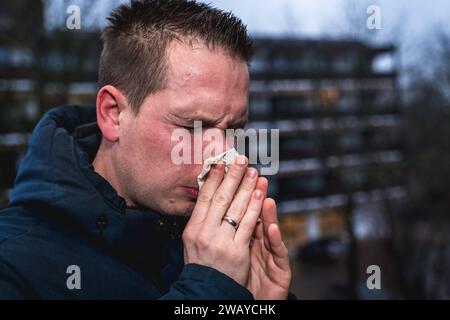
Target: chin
181 207
187 209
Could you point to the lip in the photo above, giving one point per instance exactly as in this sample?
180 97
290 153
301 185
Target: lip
191 191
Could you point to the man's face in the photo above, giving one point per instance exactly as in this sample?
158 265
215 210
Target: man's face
203 84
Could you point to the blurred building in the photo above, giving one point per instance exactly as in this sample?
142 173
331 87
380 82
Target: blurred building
336 105
39 69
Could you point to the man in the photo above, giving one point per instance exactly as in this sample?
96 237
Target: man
99 210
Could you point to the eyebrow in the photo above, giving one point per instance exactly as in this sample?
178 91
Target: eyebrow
208 122
205 121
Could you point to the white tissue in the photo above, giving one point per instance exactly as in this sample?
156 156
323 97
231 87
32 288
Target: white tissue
226 157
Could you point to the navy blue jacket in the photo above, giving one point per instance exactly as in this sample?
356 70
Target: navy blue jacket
62 213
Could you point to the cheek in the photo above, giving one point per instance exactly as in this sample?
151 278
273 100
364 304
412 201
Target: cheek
155 151
152 147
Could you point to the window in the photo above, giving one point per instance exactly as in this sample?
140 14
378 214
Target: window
259 107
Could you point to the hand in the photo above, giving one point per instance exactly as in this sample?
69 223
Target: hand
211 241
270 272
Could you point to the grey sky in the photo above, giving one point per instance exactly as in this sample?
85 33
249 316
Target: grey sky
413 22
316 17
310 18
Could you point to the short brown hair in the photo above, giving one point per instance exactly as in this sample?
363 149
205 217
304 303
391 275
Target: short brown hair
133 58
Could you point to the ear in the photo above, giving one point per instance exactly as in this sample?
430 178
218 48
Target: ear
110 103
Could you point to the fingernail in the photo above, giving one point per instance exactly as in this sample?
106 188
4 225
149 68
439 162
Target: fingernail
251 173
241 161
258 195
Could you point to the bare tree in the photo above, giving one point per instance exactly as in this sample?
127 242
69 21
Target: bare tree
425 240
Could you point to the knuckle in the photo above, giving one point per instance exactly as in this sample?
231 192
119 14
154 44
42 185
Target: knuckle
248 185
220 250
216 172
236 172
221 198
253 206
234 213
202 242
204 197
187 236
246 227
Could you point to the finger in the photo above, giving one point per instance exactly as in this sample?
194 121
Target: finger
241 200
258 234
269 213
279 251
263 186
206 194
269 216
225 193
247 226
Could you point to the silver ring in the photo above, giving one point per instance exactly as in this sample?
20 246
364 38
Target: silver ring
230 221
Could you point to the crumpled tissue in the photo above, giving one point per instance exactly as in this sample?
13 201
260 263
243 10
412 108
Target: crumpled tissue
226 157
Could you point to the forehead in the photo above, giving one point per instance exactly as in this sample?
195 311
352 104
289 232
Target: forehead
205 82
